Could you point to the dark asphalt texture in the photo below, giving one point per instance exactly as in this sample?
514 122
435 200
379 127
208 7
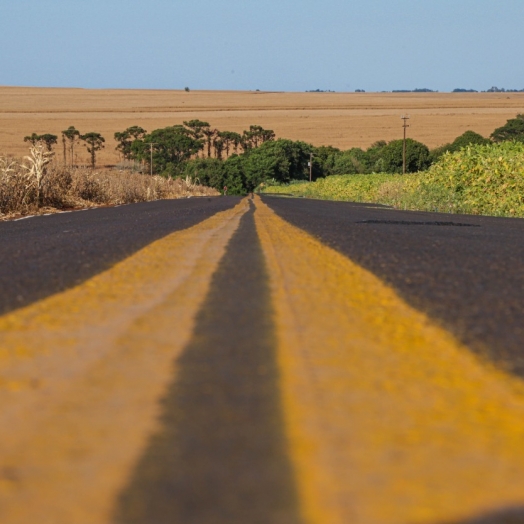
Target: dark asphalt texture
469 279
42 255
221 454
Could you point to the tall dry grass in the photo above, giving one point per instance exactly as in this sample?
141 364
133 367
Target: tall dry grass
40 184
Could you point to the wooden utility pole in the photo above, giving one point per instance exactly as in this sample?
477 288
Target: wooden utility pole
151 144
405 125
310 166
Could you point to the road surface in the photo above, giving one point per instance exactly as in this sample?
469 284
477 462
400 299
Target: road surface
263 360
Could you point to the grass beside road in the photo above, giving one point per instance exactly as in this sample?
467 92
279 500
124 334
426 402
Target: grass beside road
38 184
480 180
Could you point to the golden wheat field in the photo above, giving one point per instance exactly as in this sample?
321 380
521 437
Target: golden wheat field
343 120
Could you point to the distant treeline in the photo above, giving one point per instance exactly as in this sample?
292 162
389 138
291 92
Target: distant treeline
457 90
241 161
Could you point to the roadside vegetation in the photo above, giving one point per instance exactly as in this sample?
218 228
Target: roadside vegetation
478 179
39 184
472 174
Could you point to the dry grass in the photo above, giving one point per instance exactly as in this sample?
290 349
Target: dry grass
36 185
340 119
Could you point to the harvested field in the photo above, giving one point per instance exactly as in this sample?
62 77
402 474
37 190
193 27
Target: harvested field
340 119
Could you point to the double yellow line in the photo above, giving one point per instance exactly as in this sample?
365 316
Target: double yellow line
388 418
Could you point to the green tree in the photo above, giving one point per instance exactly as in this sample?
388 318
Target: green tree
372 159
49 140
94 142
350 162
216 173
324 160
256 136
218 145
126 138
468 138
417 156
234 176
171 146
33 138
209 171
70 136
230 139
513 129
198 129
209 135
282 160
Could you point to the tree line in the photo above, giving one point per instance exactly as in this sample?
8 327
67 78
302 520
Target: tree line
241 161
93 141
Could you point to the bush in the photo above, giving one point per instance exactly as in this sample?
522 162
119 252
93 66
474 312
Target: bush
417 156
466 139
62 188
282 160
479 179
513 129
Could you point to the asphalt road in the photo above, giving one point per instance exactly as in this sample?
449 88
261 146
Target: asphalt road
266 360
466 272
47 254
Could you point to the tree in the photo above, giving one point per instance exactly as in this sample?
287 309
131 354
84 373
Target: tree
71 136
208 171
282 160
210 135
324 160
417 156
126 138
195 128
466 139
230 139
47 139
94 142
234 176
350 162
171 147
256 136
218 145
33 138
372 159
513 129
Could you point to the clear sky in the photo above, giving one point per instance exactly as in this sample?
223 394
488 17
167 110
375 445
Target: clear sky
282 45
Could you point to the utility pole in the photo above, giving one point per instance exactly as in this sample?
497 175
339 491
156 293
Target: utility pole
151 144
310 164
405 125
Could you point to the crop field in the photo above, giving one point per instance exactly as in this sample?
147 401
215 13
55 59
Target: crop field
343 120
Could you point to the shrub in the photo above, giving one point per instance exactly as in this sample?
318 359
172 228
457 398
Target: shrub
417 156
513 129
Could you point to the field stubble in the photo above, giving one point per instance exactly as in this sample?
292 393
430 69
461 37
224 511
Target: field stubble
342 120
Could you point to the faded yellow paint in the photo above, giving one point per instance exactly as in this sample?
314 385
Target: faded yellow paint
82 373
389 419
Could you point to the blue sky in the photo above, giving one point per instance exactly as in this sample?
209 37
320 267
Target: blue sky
282 45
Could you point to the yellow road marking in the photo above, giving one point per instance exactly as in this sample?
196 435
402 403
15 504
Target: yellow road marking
82 372
389 418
